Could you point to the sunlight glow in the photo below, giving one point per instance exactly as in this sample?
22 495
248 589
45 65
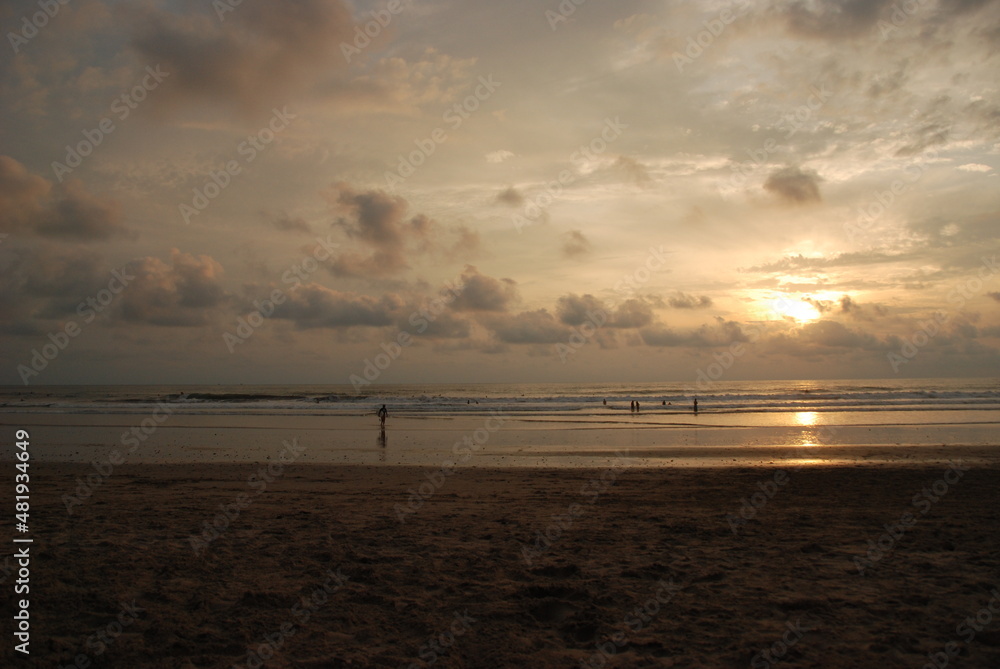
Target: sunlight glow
801 462
798 309
806 417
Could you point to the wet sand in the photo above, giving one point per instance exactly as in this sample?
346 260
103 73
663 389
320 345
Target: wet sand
358 566
496 440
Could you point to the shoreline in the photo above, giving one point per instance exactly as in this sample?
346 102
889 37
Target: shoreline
490 441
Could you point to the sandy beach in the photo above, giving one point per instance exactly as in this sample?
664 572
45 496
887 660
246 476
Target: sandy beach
305 565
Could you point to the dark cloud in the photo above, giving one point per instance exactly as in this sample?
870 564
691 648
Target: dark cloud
379 221
185 292
576 244
575 309
484 293
76 214
721 333
848 307
378 216
529 327
315 306
835 339
43 282
662 336
825 337
681 300
31 204
833 19
249 58
832 334
822 306
429 322
794 185
986 26
287 223
510 196
995 296
632 313
47 273
860 311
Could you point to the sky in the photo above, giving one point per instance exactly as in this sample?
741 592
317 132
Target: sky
407 191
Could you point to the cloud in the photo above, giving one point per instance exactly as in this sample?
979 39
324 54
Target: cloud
681 300
379 221
851 259
466 244
510 196
498 156
484 293
259 53
21 195
396 84
636 171
575 310
848 307
77 214
632 313
721 333
427 321
184 292
861 311
576 244
794 185
47 283
974 167
832 334
529 327
287 223
45 273
927 136
315 306
31 204
832 19
995 296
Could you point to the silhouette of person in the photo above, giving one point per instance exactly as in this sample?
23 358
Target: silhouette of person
696 405
637 406
605 403
631 406
382 413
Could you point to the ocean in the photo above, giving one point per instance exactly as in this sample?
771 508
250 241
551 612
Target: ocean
581 399
542 424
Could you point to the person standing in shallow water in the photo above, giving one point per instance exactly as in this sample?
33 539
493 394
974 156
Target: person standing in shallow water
382 414
696 405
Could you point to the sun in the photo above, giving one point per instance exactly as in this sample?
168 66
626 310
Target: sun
796 308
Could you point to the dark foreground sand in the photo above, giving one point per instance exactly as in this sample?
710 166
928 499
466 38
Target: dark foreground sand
645 566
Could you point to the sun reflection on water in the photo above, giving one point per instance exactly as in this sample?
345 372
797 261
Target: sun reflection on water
807 418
